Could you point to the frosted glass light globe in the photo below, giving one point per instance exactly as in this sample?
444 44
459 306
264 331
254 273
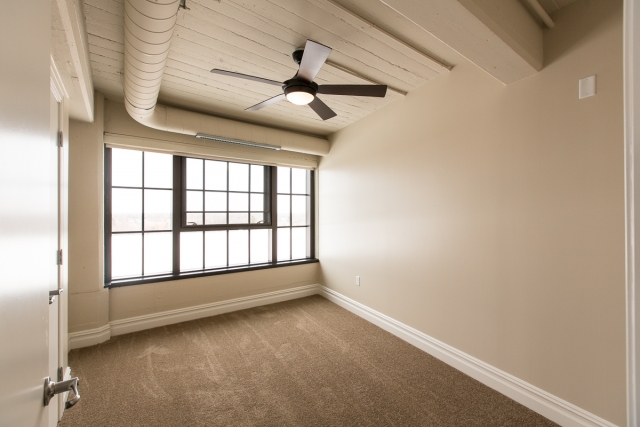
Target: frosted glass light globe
300 98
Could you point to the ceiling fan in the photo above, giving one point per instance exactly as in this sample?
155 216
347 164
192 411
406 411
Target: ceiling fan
301 90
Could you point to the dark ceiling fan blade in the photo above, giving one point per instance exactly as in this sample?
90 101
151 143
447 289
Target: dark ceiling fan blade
266 103
315 54
246 77
322 109
354 90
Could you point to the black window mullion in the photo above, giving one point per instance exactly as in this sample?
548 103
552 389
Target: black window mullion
139 188
143 213
290 213
177 213
183 191
274 213
312 214
107 215
137 232
249 218
228 212
204 166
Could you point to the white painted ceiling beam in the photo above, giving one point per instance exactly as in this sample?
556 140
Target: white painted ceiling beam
77 70
499 36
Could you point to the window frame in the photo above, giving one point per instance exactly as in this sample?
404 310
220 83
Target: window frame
182 170
179 225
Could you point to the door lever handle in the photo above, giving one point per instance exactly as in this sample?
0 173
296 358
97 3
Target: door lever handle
53 294
52 388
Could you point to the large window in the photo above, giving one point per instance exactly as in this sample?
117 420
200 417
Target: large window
170 217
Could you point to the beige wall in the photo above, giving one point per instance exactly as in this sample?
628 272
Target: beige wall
491 217
139 300
88 300
90 304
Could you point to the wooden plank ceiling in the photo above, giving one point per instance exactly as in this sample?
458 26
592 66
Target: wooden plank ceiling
257 37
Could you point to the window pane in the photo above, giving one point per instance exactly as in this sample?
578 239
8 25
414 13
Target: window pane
299 210
191 251
215 175
239 218
126 209
255 217
299 242
257 202
158 170
215 201
194 200
284 244
215 218
126 168
259 246
158 208
238 201
257 178
158 249
215 249
194 219
284 180
126 255
238 247
238 177
284 210
299 181
194 174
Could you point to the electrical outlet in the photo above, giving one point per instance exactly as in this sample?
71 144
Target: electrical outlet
357 280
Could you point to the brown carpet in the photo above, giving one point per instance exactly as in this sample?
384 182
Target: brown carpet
305 362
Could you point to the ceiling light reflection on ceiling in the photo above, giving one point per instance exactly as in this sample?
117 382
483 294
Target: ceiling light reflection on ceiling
299 97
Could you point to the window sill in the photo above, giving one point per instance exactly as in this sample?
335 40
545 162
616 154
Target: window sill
216 272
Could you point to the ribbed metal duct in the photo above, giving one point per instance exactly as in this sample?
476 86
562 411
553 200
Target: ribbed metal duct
148 30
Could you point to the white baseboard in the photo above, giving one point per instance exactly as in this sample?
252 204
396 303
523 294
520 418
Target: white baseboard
546 404
139 323
89 337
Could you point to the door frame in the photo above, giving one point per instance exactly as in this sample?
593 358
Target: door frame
631 49
60 93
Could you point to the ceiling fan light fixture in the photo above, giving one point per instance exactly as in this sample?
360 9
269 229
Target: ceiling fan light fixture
300 95
299 98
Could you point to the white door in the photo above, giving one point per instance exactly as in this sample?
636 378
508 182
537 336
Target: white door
25 217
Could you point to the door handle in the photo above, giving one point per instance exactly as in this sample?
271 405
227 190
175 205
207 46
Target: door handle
54 294
52 388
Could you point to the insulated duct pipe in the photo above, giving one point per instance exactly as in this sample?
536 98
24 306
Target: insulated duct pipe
148 30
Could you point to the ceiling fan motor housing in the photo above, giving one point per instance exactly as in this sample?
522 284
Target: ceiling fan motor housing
296 85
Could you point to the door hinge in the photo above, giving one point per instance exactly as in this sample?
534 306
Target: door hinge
60 139
59 261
